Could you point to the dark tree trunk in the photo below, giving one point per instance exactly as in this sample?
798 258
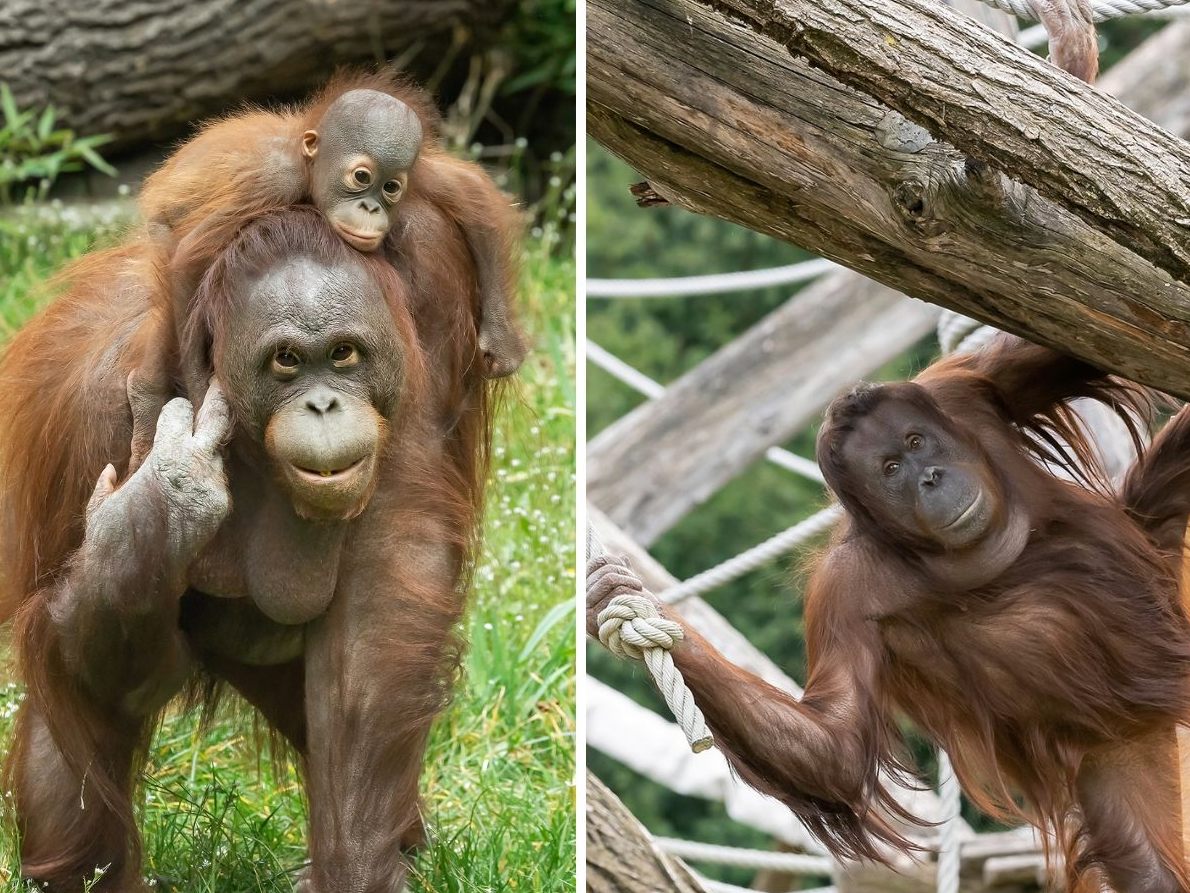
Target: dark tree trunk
143 70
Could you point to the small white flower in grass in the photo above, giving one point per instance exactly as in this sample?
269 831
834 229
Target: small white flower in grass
124 190
488 627
521 142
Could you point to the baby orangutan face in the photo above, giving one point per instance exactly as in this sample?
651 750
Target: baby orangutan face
359 157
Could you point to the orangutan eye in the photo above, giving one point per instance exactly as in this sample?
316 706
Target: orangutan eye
344 355
392 190
362 176
890 468
286 361
914 442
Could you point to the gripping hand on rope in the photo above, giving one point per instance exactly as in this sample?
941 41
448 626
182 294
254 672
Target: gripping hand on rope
629 621
1071 27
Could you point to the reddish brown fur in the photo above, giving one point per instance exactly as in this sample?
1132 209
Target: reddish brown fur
1048 686
64 415
223 178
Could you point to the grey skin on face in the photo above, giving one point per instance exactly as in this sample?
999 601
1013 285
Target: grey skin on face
360 155
924 478
321 377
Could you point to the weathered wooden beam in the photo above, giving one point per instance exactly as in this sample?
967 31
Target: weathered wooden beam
621 856
997 101
724 121
651 467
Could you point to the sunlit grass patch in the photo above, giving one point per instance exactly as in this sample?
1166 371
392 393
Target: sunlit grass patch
219 817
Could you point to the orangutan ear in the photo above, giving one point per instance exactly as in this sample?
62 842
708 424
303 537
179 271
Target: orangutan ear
310 144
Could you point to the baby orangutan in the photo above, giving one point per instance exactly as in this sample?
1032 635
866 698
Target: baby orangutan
357 152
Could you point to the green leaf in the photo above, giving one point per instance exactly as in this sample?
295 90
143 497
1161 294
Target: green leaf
45 126
9 105
557 613
94 159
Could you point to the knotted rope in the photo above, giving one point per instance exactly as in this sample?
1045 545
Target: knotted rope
631 627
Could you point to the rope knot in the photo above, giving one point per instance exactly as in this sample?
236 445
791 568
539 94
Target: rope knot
631 623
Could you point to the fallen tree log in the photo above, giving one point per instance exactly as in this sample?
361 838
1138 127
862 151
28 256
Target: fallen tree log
143 70
722 120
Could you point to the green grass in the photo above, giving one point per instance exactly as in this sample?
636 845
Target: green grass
500 800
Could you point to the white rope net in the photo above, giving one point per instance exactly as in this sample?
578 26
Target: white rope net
1101 10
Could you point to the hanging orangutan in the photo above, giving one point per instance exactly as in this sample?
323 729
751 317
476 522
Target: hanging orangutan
1029 625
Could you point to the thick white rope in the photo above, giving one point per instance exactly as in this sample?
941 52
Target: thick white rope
712 284
956 334
713 886
631 627
951 797
739 857
1101 10
772 548
623 373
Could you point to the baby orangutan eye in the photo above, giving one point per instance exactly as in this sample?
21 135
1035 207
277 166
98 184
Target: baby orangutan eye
890 468
392 190
343 355
285 361
362 176
914 441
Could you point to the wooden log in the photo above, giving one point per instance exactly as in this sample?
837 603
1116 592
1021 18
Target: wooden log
621 857
146 69
651 467
999 102
724 121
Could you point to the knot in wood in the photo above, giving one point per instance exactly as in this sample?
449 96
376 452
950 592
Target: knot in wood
914 201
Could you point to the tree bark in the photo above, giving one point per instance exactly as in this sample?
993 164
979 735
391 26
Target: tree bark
724 121
144 69
621 857
999 102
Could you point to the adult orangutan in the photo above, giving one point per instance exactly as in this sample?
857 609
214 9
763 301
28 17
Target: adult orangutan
1030 625
303 539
